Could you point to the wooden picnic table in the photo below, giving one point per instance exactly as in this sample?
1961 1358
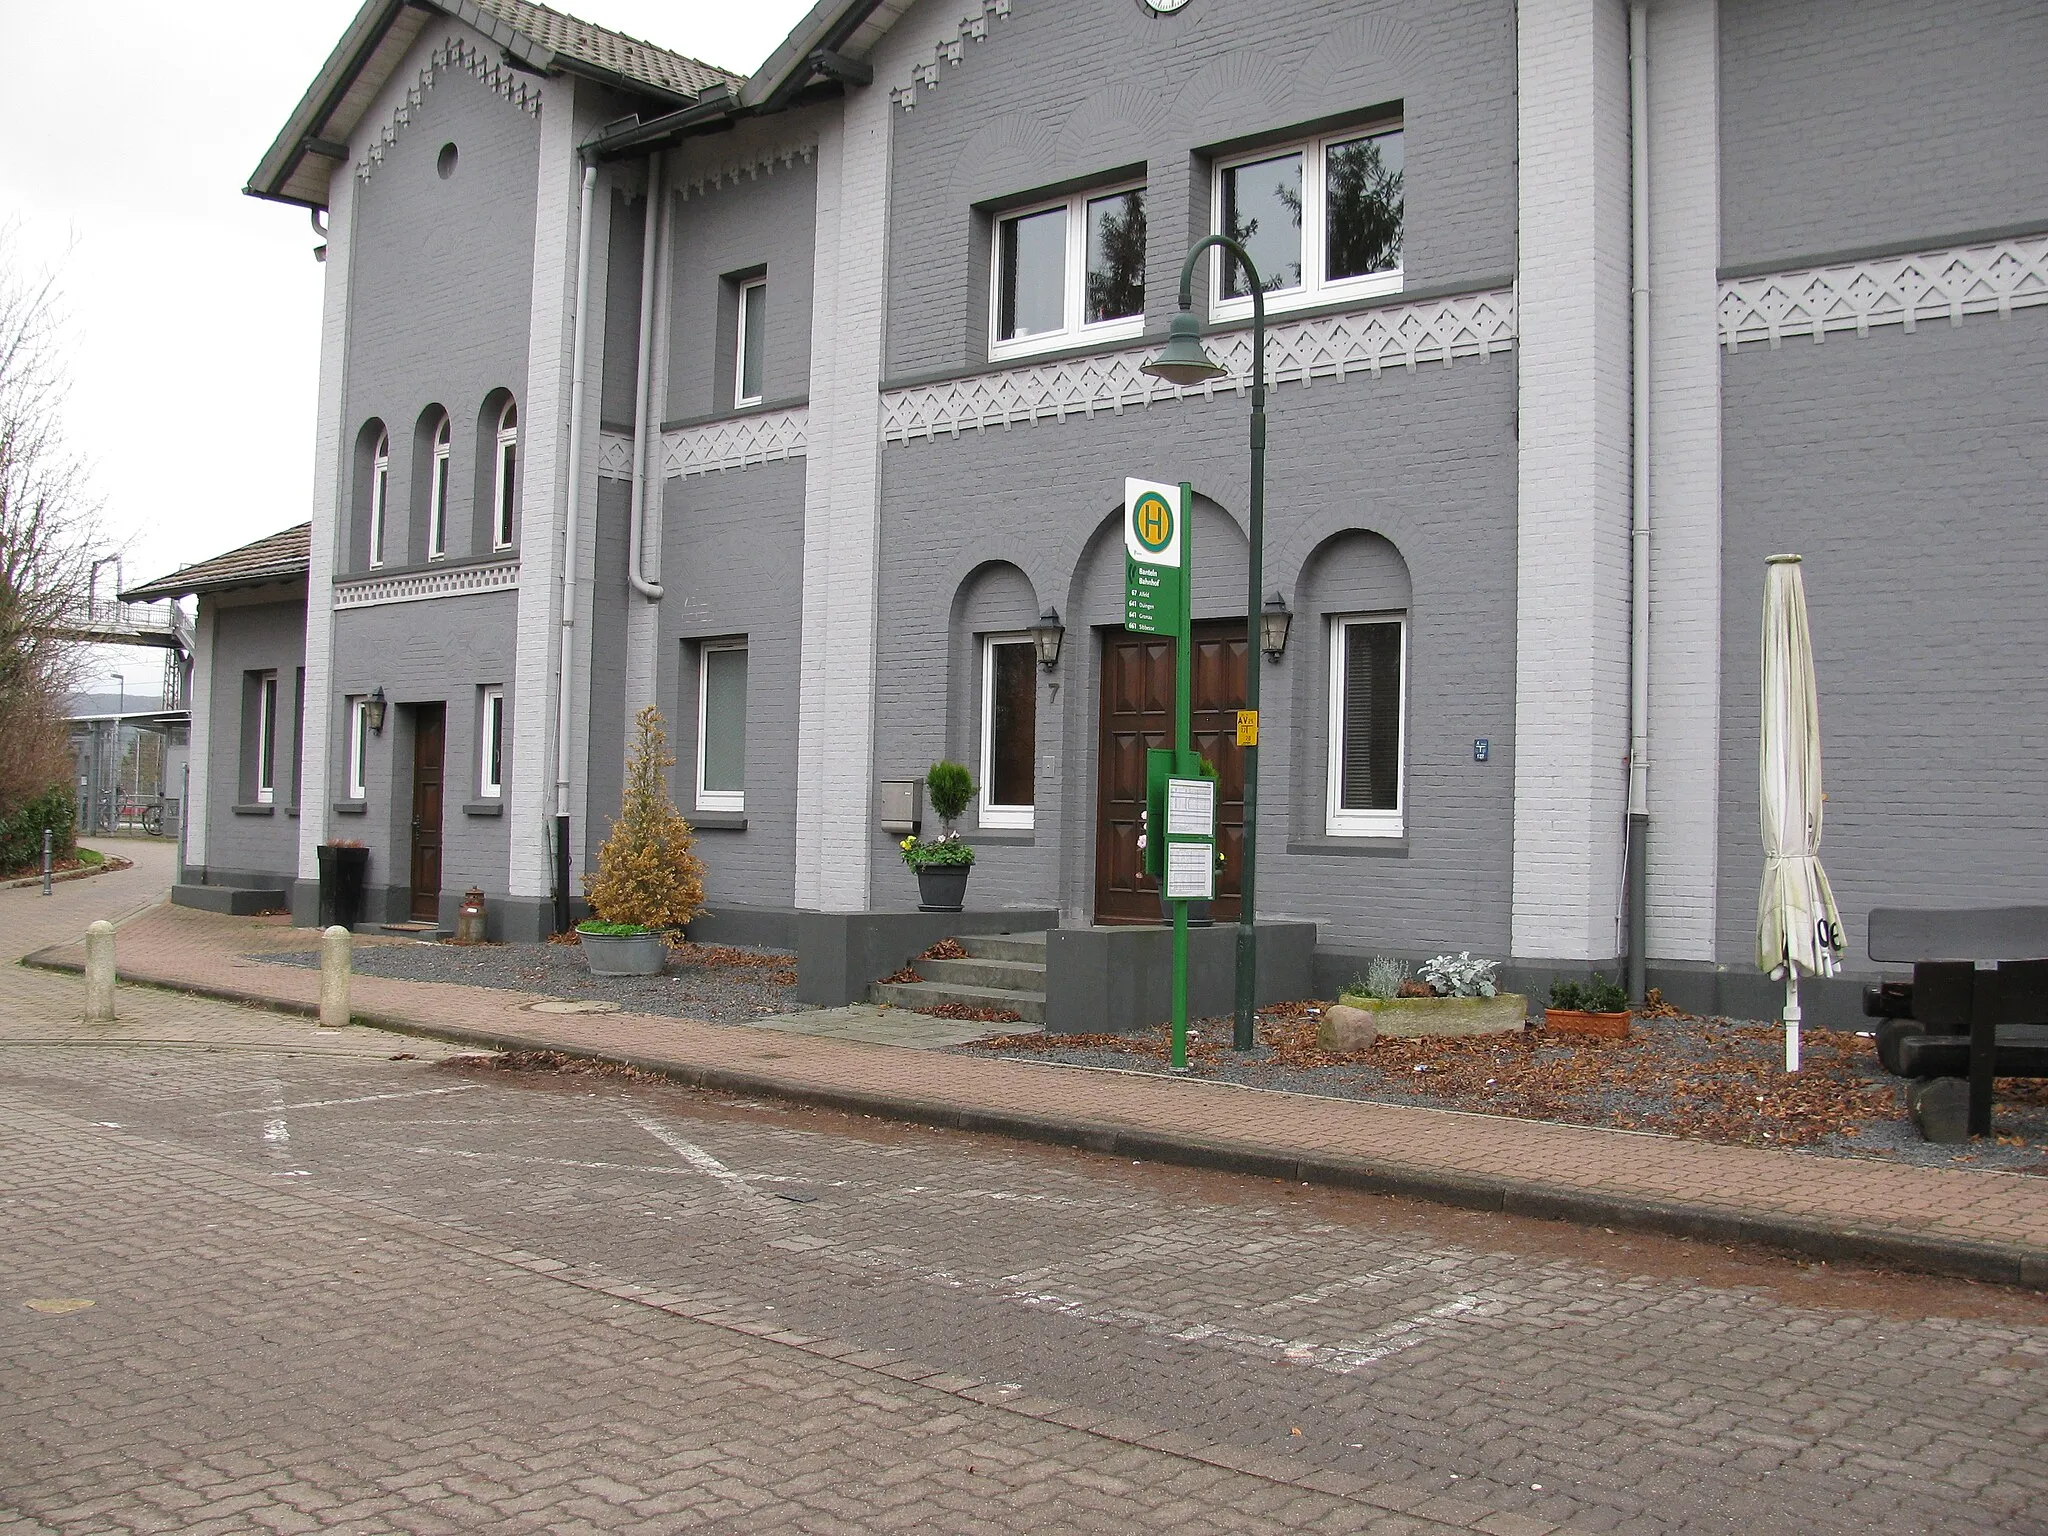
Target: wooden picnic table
2006 949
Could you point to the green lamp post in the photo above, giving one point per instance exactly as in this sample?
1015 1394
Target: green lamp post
1187 363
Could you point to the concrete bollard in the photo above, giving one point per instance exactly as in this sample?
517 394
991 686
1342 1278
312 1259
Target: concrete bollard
335 948
99 973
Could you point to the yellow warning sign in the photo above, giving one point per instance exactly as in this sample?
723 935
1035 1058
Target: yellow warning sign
1247 727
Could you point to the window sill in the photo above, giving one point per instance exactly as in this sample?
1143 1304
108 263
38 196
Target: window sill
1351 847
255 810
351 807
484 808
1062 343
717 821
789 403
1006 837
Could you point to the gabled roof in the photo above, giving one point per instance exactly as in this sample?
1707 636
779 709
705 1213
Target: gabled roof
280 557
532 38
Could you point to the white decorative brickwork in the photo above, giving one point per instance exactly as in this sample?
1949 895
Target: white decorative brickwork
419 586
615 456
1685 481
1995 278
1297 351
521 90
925 73
1572 492
765 437
751 168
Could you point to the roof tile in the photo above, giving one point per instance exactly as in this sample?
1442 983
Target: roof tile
279 557
626 56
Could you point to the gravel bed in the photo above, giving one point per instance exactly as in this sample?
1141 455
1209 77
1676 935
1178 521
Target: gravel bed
1714 1079
714 983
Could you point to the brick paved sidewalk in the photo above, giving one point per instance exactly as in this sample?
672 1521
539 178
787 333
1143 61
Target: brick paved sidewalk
1985 1225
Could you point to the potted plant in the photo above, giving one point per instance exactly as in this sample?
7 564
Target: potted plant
1598 1007
1449 995
649 881
344 867
941 864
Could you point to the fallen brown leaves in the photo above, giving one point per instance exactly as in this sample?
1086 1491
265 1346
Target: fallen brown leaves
902 978
1710 1079
779 969
550 1061
969 1013
945 949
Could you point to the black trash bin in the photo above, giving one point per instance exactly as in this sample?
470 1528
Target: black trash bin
343 869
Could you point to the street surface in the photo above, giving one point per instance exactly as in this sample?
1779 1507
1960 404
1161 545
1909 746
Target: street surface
338 1281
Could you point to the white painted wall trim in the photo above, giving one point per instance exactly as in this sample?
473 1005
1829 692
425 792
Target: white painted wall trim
201 742
1685 487
842 511
331 438
543 447
1994 278
422 586
1572 547
765 437
1336 347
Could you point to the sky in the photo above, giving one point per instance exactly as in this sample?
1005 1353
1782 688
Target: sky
191 311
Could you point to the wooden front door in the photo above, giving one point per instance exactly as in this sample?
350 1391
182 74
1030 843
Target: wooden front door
1137 704
430 728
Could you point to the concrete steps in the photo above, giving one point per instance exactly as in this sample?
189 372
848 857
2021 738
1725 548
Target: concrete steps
1004 971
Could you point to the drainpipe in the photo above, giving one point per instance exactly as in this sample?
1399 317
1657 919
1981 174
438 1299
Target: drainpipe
651 590
564 712
1639 604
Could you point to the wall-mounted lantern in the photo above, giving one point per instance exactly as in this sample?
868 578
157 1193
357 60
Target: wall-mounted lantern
1273 622
373 711
1046 634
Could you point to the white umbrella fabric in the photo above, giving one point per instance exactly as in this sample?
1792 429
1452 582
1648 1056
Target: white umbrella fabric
1797 925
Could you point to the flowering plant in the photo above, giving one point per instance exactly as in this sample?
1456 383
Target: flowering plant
947 852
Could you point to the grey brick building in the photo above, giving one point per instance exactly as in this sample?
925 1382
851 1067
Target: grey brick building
1581 310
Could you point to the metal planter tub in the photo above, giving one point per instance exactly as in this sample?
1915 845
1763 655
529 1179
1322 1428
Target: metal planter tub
624 954
942 888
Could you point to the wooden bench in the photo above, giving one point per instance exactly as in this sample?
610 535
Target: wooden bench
1982 967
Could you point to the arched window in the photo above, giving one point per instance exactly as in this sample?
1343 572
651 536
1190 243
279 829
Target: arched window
508 465
380 495
437 495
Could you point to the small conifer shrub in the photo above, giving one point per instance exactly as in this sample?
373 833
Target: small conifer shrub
648 872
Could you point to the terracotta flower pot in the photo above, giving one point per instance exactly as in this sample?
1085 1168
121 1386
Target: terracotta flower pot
1574 1021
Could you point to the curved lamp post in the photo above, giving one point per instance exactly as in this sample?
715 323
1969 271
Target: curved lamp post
1187 363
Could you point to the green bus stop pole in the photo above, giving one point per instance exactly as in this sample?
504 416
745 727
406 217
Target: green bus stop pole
1183 745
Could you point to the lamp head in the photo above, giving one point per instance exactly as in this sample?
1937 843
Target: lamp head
1184 360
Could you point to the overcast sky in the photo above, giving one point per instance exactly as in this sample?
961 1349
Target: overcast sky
130 128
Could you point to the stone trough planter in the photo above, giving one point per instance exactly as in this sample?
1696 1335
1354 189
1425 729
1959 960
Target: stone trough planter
1410 1018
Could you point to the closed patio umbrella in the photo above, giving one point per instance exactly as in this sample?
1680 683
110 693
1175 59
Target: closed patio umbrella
1797 925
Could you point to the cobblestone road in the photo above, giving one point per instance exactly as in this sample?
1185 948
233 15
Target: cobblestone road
335 1290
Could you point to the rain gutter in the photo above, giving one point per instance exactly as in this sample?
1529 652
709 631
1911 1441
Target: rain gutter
1639 598
649 250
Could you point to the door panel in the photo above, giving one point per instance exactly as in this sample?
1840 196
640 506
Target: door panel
1137 704
430 724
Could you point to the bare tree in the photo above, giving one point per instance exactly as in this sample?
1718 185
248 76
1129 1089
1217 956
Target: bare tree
48 523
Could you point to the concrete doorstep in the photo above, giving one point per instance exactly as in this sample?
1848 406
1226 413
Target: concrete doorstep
1857 1231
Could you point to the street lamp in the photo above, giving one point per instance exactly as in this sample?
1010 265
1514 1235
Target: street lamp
1187 363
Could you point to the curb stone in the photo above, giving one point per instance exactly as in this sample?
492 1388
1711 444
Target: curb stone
1961 1258
112 864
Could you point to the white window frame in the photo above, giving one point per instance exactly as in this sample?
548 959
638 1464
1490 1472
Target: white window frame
1020 818
713 799
749 288
1123 328
1314 288
380 496
266 738
437 493
491 723
1338 821
508 441
358 749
